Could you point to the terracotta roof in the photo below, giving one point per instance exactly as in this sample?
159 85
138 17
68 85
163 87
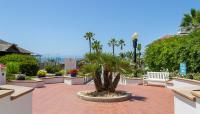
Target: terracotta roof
4 46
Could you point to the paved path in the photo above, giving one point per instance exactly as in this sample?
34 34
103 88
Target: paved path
62 99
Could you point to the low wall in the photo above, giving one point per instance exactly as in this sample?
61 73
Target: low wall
187 100
28 83
53 80
76 80
134 81
17 102
184 83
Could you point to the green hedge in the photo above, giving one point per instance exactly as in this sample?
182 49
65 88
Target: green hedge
27 63
169 53
52 68
30 69
17 58
12 68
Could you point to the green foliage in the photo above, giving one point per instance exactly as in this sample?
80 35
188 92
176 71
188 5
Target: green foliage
41 73
96 46
113 43
196 76
108 61
17 58
121 43
10 77
52 68
169 53
20 77
26 64
12 68
89 36
191 20
29 68
60 73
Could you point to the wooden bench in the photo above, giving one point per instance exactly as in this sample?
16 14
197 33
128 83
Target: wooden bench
161 77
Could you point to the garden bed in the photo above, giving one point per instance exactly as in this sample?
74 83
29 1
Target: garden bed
117 96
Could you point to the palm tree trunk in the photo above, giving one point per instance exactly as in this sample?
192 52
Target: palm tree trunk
113 49
115 83
90 44
98 82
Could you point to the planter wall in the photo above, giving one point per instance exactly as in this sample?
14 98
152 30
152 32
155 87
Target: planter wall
17 102
76 80
187 100
53 80
182 105
28 83
184 83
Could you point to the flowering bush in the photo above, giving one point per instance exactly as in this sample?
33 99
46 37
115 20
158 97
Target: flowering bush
41 73
73 71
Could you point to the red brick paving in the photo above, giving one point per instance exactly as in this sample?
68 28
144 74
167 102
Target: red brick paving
62 99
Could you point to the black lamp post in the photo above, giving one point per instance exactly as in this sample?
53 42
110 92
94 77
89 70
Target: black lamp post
134 39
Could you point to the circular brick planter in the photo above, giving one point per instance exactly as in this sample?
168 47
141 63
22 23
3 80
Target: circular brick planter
126 96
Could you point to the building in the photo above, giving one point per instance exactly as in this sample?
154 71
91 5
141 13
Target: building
9 48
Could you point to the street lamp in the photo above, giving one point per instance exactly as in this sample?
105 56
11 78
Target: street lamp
134 40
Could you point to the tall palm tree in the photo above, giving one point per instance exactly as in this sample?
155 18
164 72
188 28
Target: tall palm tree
112 43
191 20
89 36
96 46
121 44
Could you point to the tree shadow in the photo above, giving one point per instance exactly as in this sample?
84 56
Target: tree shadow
138 98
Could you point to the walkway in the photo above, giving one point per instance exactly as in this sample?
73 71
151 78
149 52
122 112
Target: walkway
62 99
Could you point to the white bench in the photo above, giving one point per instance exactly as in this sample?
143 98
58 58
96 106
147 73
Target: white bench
161 77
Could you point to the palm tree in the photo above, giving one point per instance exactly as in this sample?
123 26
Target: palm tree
112 43
113 67
96 46
122 44
89 36
191 20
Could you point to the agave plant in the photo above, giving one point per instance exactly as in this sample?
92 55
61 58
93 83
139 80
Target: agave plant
106 70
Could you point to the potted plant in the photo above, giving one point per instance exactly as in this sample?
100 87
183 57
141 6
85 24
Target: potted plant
73 72
41 73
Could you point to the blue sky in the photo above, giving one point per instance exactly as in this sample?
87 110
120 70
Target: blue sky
57 27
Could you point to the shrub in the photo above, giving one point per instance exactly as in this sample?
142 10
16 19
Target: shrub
20 77
41 73
12 68
62 72
10 77
196 76
29 69
27 64
73 71
170 52
52 69
58 74
17 58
